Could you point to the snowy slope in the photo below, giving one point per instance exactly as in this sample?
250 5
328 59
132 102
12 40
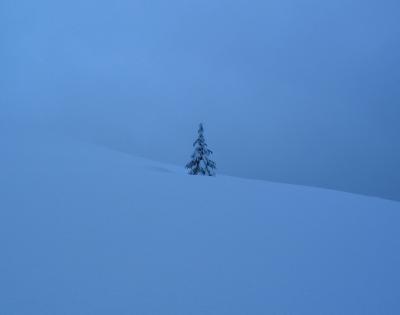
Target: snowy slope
87 230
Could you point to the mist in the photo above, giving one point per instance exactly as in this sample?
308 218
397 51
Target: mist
302 92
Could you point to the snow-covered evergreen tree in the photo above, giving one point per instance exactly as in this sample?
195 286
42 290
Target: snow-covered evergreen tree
201 163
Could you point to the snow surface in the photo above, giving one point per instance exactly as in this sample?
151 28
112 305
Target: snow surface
88 230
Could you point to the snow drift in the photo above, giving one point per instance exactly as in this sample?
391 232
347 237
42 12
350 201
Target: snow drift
87 230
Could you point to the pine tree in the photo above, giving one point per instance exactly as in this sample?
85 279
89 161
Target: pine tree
201 164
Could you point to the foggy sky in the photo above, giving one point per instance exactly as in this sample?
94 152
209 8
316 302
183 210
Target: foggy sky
304 92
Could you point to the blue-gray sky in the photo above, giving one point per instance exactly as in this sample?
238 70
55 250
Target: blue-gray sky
305 92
